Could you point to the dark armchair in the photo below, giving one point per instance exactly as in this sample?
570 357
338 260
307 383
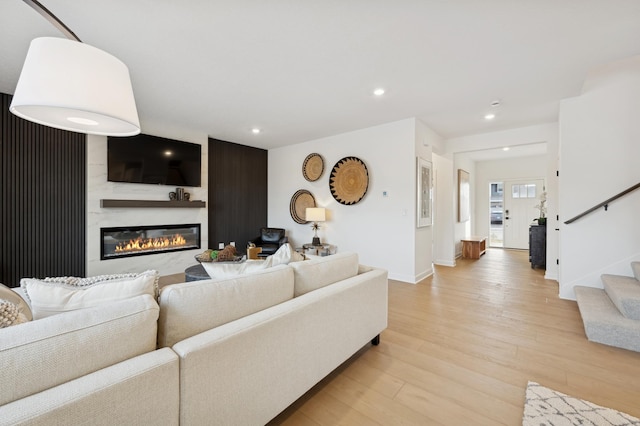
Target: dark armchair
270 240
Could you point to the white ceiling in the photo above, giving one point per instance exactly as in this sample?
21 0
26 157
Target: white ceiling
526 150
302 70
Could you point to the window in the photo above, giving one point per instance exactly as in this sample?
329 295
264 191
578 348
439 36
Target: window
523 191
496 191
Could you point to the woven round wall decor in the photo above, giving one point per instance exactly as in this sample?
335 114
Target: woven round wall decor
313 167
299 203
349 180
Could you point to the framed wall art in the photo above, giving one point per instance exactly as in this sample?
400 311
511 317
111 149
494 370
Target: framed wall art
424 185
464 196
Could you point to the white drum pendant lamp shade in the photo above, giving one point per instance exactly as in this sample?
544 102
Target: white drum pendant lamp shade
72 86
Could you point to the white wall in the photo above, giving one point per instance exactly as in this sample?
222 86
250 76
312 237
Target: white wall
98 188
464 229
512 137
425 141
444 205
553 223
599 152
380 229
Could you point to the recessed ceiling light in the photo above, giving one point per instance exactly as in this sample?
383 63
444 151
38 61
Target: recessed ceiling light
489 116
255 130
168 153
506 148
378 92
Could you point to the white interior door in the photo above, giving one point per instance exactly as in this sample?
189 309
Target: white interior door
520 199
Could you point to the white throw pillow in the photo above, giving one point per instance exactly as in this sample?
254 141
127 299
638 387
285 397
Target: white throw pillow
9 295
53 296
283 256
10 314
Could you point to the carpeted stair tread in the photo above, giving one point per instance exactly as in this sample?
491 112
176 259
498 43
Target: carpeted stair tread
603 322
635 267
624 292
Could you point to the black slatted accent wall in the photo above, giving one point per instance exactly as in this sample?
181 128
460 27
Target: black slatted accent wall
237 193
42 200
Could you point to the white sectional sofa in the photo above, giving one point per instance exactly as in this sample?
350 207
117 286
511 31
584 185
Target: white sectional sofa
94 366
232 351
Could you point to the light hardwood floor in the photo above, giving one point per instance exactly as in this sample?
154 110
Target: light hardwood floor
460 348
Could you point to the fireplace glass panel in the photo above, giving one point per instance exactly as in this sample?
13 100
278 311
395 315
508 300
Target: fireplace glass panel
143 240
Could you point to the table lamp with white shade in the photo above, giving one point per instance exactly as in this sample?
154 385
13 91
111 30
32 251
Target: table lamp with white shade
315 215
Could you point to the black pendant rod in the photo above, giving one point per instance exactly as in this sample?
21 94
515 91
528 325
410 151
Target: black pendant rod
46 13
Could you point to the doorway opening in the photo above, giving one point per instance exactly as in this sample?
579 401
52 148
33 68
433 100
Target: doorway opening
496 214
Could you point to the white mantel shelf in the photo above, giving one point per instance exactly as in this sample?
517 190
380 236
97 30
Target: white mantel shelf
197 204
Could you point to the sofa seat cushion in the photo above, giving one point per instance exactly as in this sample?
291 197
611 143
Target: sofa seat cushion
319 272
187 309
53 296
41 354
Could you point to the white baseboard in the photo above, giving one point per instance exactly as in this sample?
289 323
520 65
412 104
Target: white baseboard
424 275
451 263
410 279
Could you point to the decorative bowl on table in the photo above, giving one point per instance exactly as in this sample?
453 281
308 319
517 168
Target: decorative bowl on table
205 256
228 254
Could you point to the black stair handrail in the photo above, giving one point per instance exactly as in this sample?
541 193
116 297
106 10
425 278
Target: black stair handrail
604 204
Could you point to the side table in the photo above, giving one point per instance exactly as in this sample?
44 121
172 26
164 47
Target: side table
318 250
195 273
474 247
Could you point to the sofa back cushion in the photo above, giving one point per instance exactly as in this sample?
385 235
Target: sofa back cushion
56 295
321 271
41 354
187 309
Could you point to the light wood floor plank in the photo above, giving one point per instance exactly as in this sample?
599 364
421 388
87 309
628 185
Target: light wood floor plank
328 410
460 348
386 411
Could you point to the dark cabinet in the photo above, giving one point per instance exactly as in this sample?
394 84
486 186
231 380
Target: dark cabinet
538 246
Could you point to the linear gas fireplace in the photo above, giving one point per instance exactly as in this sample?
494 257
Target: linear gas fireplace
128 241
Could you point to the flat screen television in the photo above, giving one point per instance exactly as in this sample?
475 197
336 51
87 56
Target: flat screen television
153 160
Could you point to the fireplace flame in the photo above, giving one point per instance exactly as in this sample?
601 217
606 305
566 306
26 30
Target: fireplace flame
141 244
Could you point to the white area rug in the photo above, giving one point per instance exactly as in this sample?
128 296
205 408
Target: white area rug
546 407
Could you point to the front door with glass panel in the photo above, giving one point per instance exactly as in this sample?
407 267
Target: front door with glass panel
520 199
